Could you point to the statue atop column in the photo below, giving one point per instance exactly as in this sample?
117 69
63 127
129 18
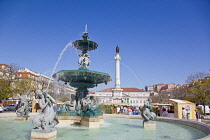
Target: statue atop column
117 49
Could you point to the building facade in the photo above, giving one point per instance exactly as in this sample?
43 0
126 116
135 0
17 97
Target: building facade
131 96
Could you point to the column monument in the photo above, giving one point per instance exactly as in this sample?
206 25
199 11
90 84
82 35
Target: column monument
117 91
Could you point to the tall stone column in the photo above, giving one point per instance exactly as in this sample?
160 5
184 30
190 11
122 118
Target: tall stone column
117 71
117 91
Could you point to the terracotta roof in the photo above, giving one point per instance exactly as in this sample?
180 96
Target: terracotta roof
124 90
170 89
3 64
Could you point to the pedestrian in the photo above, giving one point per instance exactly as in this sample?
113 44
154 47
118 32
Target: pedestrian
54 108
165 113
125 110
129 111
198 115
184 113
118 110
158 111
121 109
136 111
1 109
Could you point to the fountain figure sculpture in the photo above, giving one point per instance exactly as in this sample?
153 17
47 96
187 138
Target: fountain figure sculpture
23 110
47 119
145 112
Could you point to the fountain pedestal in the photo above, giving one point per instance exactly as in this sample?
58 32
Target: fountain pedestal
149 124
37 134
65 121
92 122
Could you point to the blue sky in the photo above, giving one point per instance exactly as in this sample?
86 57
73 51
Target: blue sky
161 41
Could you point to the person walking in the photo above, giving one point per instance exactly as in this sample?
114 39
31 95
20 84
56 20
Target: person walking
198 115
184 113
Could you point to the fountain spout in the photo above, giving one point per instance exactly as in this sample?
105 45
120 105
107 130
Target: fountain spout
85 34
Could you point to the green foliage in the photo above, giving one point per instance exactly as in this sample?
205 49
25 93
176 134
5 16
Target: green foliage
5 89
200 110
199 91
155 110
22 86
107 109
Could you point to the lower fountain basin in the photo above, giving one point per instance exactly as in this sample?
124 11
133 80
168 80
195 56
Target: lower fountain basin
113 129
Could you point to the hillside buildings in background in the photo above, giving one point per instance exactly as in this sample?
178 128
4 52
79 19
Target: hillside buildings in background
40 80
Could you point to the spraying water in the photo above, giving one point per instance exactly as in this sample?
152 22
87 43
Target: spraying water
59 58
133 74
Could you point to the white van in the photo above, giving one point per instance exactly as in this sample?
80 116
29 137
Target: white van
207 109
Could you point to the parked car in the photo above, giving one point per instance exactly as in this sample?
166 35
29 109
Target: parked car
6 108
10 107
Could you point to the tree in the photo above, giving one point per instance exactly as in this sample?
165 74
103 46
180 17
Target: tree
7 76
180 92
197 76
199 92
24 86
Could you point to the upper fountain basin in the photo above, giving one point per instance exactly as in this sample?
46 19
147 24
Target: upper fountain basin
85 45
82 77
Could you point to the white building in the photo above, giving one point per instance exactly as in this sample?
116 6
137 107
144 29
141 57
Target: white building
132 96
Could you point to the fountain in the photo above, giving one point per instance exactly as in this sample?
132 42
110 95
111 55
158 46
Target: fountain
83 109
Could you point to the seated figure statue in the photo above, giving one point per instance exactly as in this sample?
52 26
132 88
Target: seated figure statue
145 111
47 119
23 110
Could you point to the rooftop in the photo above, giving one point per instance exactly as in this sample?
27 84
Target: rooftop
124 90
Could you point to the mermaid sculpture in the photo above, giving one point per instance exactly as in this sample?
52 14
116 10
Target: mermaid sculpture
23 111
47 119
145 112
